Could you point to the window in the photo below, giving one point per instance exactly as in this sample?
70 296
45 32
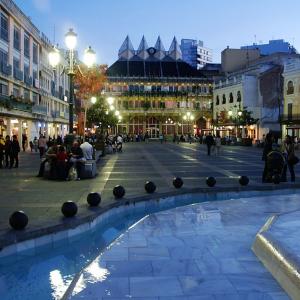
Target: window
239 96
26 46
290 111
290 88
223 99
34 98
26 70
230 98
217 100
16 63
35 53
26 94
4 28
3 88
16 91
17 39
3 58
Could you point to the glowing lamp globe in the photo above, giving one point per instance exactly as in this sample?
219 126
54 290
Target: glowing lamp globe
54 57
89 57
71 39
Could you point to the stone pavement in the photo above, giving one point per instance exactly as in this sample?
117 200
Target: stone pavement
42 199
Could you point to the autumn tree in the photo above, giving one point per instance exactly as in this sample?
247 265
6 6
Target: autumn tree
89 82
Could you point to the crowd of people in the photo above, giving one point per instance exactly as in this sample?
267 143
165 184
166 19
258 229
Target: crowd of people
287 152
9 152
60 160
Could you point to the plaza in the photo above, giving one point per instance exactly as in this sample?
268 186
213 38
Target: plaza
226 272
149 150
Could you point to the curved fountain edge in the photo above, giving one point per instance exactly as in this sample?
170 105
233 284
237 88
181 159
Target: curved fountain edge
33 241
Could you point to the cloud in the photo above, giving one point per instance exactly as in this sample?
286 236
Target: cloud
42 5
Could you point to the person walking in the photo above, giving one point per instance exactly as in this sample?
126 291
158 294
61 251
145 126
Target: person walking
24 141
15 149
42 145
218 144
290 154
35 144
2 149
209 143
7 151
268 146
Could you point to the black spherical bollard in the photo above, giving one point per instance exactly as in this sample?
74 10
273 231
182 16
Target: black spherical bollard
177 182
276 179
244 180
18 220
93 199
69 209
118 192
211 181
150 187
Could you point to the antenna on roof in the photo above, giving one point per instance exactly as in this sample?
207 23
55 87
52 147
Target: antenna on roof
255 39
54 34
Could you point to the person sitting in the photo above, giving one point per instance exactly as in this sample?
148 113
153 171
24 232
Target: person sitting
76 158
51 159
119 143
61 163
87 149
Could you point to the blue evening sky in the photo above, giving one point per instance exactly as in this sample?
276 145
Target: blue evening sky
104 24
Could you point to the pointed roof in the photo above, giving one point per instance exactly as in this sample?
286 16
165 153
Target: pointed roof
143 44
174 50
126 46
159 45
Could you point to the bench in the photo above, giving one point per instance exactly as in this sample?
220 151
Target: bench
89 169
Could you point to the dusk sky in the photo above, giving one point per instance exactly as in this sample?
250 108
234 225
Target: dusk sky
104 24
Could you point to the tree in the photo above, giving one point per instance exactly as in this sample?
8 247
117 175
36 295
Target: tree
99 115
246 118
89 82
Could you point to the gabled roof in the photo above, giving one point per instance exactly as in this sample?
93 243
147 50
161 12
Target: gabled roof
174 50
126 46
143 45
159 45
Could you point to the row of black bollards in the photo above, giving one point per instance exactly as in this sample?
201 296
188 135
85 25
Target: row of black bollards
19 220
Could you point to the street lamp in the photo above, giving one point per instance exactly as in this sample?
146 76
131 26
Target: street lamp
237 116
110 100
188 117
93 100
54 59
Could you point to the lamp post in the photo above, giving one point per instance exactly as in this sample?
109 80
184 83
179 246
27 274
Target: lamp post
188 117
237 116
89 60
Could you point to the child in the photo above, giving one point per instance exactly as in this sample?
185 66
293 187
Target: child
62 158
31 146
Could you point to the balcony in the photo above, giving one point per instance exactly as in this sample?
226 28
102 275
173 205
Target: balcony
28 79
60 114
172 110
290 119
6 69
15 103
39 109
18 74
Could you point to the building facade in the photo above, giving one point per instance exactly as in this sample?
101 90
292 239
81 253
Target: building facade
195 54
24 85
156 92
257 88
272 47
291 108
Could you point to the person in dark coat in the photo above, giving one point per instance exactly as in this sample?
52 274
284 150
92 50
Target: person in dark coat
267 149
7 151
15 149
2 147
209 142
